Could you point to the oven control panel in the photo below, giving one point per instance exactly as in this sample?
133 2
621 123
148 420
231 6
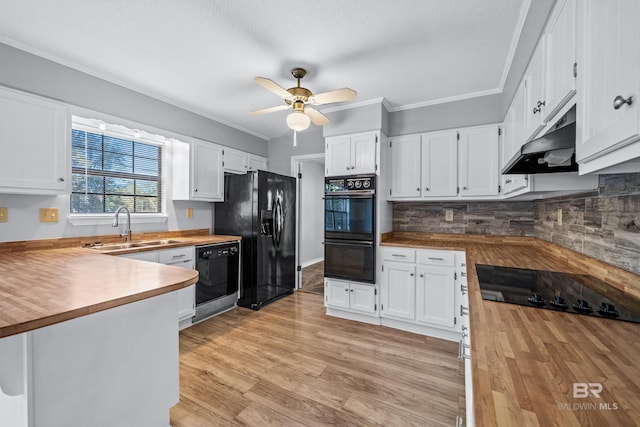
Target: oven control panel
350 183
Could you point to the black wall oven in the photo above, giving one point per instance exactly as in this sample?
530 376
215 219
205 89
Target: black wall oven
349 231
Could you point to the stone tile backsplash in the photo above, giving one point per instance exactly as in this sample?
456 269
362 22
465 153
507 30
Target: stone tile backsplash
604 224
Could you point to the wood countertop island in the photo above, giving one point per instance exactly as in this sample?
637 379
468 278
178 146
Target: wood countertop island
525 360
82 332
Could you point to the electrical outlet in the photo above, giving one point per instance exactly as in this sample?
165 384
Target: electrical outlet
448 215
4 216
559 216
48 214
189 213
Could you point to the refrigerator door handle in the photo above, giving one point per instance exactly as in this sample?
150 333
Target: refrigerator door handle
279 221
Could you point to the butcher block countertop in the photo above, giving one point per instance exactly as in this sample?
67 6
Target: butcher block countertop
525 360
43 282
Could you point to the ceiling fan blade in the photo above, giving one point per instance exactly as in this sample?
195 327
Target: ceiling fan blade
272 86
316 116
339 95
271 109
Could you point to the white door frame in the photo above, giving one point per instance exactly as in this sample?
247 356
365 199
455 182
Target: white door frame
296 162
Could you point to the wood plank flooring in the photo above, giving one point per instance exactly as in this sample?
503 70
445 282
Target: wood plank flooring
313 278
291 365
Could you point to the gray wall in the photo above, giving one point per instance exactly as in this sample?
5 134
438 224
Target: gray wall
31 73
281 149
354 120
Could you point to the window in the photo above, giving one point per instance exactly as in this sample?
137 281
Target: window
110 170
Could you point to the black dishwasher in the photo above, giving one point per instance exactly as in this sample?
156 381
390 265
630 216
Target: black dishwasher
217 287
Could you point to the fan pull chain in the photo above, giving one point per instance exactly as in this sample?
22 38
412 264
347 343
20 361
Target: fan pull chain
295 138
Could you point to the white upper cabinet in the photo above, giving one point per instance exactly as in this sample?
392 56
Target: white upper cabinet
197 171
240 162
406 166
439 164
534 87
478 161
608 80
511 142
561 58
35 140
351 154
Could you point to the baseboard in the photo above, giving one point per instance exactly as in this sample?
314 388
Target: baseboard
311 262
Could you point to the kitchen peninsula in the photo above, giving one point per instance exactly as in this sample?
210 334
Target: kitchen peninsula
87 338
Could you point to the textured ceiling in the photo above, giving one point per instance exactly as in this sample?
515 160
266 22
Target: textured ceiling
202 55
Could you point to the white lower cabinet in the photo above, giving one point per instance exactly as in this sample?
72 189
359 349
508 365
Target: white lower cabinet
351 300
179 257
421 290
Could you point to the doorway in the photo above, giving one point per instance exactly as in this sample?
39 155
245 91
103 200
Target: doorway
309 172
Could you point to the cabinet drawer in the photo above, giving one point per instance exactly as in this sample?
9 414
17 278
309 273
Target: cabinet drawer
442 258
171 256
399 254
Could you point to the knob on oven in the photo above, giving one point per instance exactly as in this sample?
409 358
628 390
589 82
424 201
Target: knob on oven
366 183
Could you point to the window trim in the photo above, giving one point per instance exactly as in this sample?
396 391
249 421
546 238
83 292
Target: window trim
122 132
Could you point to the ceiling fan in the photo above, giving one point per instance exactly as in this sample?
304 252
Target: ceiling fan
299 99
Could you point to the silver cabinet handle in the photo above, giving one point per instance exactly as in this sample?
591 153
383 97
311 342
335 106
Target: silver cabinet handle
436 259
61 179
350 290
462 347
539 107
418 189
178 256
411 274
426 188
346 290
348 168
195 190
463 274
464 331
619 101
463 289
464 188
399 255
464 311
508 181
421 275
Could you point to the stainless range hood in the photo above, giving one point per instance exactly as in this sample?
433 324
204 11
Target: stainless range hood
552 152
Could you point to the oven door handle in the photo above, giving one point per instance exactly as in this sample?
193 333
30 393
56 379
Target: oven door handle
350 195
360 243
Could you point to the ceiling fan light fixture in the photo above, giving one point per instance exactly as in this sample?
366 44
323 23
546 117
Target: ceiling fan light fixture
298 121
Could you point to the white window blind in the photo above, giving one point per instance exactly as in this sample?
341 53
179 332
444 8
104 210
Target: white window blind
114 169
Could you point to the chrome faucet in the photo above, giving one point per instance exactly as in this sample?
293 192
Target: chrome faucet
127 233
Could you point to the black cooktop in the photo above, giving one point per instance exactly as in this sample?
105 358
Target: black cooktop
552 290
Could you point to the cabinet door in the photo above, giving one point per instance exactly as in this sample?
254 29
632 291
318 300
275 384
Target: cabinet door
609 66
478 161
534 81
35 140
439 164
336 293
561 57
405 166
338 156
235 161
363 153
435 296
257 163
398 293
362 297
207 173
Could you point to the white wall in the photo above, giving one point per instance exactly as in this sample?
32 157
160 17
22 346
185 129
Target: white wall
281 149
311 226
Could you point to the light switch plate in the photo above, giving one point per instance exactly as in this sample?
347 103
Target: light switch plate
4 215
189 213
448 215
559 216
48 214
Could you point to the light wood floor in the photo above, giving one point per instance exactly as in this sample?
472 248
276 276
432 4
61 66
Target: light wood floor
290 365
313 278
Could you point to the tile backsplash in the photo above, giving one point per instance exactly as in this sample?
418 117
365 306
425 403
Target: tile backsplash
604 224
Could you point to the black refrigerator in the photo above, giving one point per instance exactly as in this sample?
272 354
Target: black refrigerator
260 206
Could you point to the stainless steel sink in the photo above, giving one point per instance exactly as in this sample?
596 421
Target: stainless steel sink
143 244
